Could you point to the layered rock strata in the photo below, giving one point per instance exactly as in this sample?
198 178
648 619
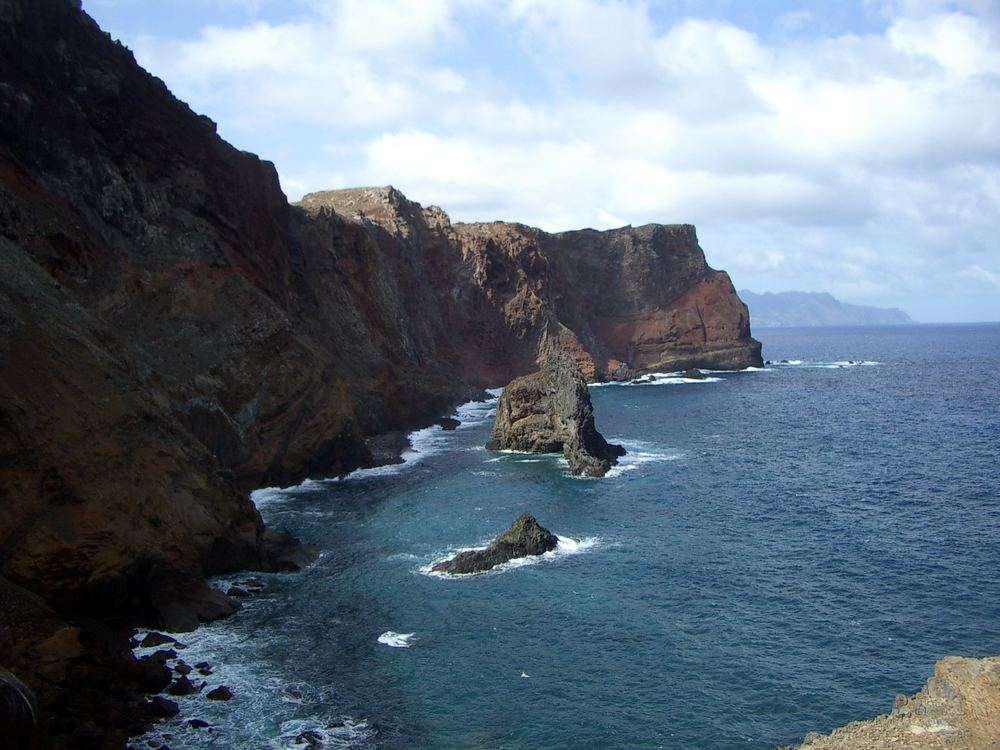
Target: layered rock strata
524 538
174 333
550 412
958 709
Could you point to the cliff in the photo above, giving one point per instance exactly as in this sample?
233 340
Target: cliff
621 301
958 709
816 309
173 333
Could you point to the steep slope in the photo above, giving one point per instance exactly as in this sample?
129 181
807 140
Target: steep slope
173 333
958 709
620 301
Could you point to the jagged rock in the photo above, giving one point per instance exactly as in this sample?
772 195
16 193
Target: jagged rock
183 686
163 708
525 537
448 423
958 709
173 333
693 373
549 412
155 639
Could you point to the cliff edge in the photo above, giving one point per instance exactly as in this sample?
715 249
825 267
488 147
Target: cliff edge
958 709
173 333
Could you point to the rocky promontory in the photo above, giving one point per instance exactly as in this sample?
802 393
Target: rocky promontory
524 538
550 412
958 709
173 334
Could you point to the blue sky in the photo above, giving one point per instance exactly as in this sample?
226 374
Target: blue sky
848 147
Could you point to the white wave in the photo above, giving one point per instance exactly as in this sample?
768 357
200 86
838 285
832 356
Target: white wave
823 365
264 695
344 733
396 640
422 443
639 453
661 378
566 547
475 413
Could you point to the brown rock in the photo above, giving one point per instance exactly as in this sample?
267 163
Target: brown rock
524 538
550 411
958 709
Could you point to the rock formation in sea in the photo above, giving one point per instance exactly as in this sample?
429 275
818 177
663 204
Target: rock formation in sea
550 412
173 333
958 709
524 538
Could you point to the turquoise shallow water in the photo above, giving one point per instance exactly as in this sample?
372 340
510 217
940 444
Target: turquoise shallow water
782 551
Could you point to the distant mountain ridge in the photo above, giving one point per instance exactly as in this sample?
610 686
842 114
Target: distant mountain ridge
773 309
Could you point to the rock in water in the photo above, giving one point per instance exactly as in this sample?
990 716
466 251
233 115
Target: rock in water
550 411
524 537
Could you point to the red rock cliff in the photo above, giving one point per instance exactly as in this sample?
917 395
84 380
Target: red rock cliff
172 332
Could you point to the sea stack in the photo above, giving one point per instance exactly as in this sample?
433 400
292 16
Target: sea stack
524 538
550 411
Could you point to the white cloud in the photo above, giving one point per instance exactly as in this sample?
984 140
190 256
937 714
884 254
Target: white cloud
851 162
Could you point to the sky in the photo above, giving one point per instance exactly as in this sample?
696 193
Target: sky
844 147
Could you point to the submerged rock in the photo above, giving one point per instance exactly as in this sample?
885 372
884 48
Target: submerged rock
524 538
549 412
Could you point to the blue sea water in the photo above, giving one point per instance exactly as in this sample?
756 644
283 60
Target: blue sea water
781 551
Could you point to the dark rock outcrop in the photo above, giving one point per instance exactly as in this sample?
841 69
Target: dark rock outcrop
550 412
173 333
523 539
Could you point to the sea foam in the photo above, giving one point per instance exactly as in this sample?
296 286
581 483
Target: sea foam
396 640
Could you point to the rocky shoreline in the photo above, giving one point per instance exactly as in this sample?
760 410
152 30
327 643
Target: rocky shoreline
958 709
173 334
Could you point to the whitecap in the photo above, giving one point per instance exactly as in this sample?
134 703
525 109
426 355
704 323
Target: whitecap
565 547
824 365
639 453
662 378
264 695
396 640
345 733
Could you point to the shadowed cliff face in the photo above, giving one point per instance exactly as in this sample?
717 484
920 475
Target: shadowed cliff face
173 333
173 329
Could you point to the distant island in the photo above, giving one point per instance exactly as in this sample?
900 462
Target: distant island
771 309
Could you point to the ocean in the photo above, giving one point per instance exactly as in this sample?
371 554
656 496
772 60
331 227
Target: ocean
781 551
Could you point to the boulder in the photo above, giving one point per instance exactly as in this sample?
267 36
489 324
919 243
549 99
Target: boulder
221 693
550 411
525 537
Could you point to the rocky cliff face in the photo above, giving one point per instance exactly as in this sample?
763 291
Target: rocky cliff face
173 333
958 709
620 301
550 412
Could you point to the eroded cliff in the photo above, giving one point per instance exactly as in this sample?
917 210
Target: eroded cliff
173 333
